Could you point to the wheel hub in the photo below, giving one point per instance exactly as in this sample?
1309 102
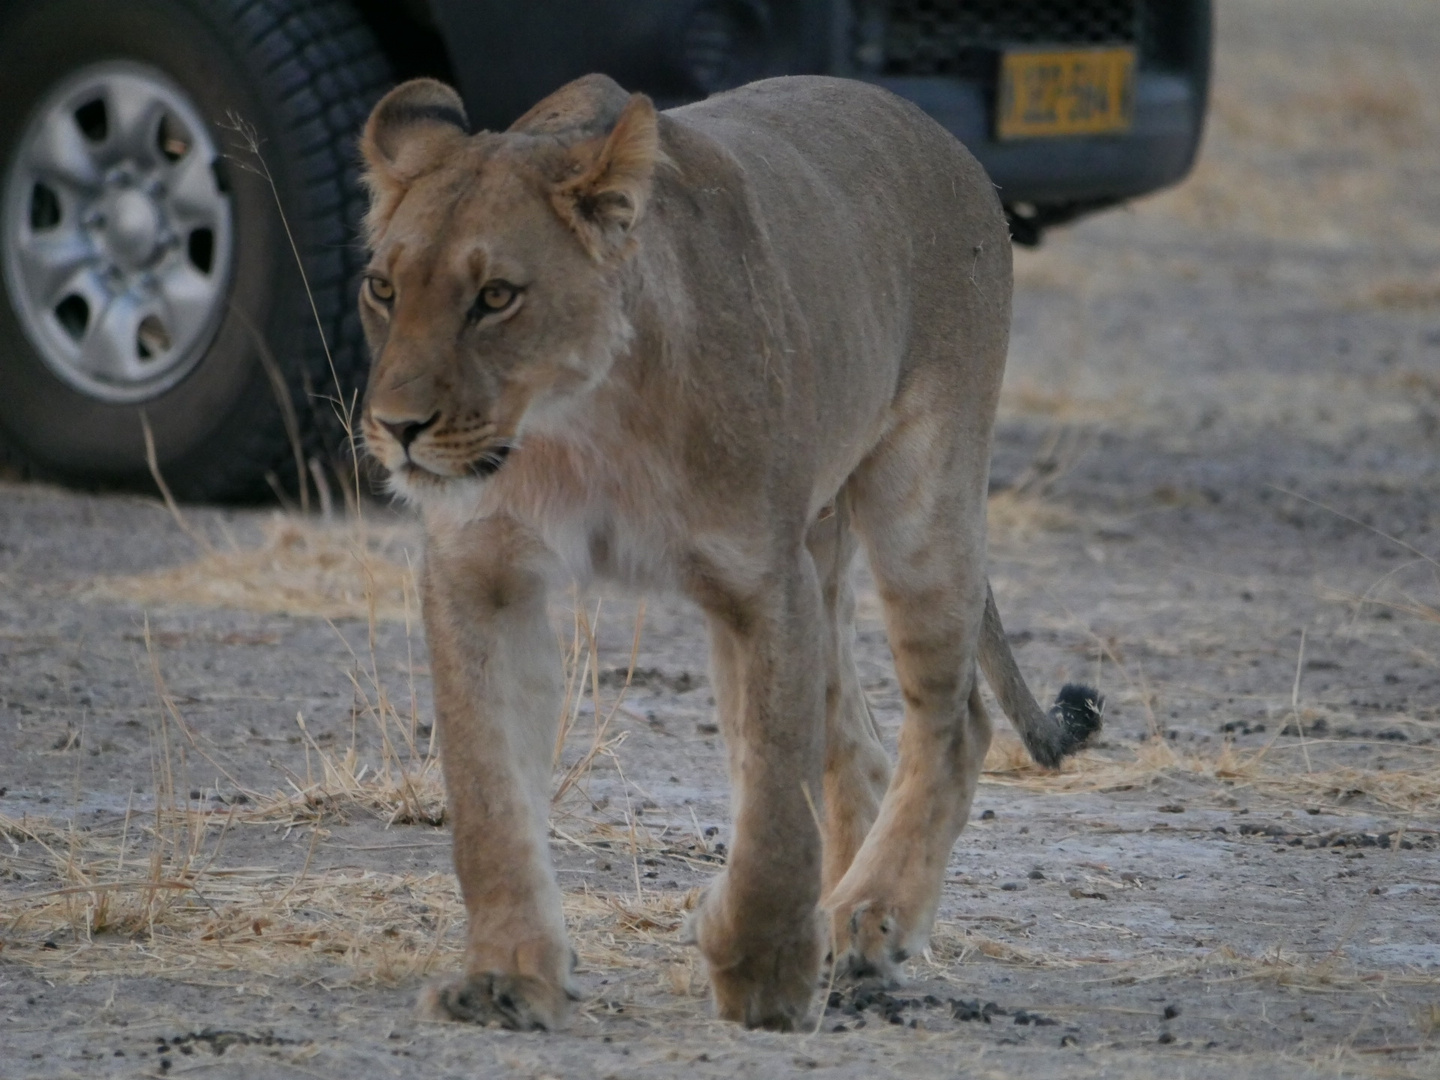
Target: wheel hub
117 232
132 231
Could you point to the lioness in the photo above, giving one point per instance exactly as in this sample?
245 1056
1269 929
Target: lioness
703 350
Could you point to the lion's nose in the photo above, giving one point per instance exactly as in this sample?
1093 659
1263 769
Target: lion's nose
407 431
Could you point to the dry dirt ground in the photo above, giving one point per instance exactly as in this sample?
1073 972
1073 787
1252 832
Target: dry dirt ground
1215 496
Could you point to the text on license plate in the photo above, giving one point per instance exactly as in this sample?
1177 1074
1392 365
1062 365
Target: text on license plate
1070 92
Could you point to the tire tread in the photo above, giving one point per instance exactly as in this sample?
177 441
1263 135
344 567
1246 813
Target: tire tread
326 70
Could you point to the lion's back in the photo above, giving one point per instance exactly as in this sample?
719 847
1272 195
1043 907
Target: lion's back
889 229
857 141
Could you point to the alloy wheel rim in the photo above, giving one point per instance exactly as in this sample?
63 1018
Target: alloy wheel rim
118 232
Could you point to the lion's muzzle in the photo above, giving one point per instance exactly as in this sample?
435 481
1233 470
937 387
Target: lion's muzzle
431 450
406 432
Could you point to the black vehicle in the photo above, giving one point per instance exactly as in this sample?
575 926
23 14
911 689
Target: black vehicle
152 287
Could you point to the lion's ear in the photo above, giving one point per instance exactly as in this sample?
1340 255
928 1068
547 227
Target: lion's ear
603 197
405 130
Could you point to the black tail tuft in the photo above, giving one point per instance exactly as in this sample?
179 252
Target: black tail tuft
1079 711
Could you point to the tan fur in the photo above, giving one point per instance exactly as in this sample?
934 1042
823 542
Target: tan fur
751 333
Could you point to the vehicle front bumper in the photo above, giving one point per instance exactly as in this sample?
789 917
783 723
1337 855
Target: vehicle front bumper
1156 151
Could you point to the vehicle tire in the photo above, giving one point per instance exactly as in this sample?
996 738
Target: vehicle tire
147 270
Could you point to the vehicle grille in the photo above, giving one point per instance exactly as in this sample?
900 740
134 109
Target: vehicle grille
962 37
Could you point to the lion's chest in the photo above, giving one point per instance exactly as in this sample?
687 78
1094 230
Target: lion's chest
596 540
599 514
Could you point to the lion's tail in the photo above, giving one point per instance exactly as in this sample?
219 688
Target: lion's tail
1049 736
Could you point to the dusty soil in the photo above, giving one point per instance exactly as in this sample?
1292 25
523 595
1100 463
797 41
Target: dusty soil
1215 496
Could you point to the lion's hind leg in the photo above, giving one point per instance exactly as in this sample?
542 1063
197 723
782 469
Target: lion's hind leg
857 770
919 505
758 926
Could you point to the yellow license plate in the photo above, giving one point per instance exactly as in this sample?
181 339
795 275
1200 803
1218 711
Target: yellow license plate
1069 92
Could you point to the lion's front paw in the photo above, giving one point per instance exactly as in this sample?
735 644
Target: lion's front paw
517 1002
870 942
762 977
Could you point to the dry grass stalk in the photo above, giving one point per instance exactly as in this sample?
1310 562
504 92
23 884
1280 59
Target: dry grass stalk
403 785
1274 966
404 788
951 945
580 670
187 913
300 567
1403 294
152 462
91 890
1410 791
390 928
1023 507
345 571
1013 514
1268 109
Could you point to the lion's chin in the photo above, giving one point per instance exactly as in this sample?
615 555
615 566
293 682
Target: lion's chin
453 498
414 473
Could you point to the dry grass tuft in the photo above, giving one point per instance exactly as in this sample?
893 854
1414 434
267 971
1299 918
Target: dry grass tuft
157 898
1403 294
1014 514
136 883
1275 966
1424 385
1026 397
1264 771
1294 137
301 567
403 788
1008 756
1050 271
385 928
131 901
1024 507
952 945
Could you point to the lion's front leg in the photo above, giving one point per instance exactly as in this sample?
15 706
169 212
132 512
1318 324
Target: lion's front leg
758 926
497 702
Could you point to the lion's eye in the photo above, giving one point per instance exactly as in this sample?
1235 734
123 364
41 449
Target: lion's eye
380 289
495 297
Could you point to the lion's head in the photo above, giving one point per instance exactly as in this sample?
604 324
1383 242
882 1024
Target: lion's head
492 299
